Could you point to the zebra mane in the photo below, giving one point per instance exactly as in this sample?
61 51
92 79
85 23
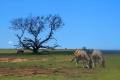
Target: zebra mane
102 57
88 56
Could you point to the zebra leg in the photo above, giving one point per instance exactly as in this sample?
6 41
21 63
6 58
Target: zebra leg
87 63
93 62
83 63
98 63
77 62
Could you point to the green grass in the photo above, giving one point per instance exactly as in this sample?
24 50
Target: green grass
55 66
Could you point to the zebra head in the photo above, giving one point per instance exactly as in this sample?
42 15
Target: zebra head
103 63
90 63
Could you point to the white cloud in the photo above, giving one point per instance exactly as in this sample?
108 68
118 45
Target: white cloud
11 31
10 42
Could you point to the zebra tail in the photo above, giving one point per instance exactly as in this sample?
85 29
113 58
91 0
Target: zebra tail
72 59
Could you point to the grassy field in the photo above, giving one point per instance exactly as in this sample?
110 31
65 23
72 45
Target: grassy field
54 66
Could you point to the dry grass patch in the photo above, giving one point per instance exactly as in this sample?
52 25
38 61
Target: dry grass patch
22 59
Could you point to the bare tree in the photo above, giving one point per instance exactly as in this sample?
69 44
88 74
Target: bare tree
35 26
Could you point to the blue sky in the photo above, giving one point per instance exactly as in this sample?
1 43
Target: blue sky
91 23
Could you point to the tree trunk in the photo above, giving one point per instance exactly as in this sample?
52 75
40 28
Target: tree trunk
35 51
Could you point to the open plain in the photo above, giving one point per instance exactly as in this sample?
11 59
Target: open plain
54 66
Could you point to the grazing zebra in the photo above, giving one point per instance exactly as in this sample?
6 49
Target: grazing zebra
97 56
44 50
82 55
20 51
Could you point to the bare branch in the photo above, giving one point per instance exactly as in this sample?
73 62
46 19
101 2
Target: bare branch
34 26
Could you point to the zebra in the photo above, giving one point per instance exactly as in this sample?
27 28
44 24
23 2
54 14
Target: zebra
97 56
44 50
82 55
20 51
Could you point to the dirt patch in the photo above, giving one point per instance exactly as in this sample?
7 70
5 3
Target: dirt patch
27 71
63 59
12 59
22 59
41 71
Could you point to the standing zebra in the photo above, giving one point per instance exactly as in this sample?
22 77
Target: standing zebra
97 56
82 55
